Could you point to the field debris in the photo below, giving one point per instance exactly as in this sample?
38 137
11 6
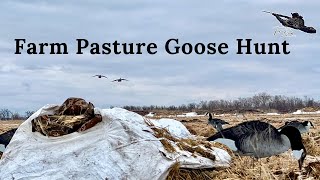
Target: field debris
75 114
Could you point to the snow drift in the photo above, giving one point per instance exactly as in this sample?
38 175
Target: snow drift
176 128
122 146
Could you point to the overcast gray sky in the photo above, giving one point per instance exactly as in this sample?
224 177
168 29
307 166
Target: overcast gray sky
28 82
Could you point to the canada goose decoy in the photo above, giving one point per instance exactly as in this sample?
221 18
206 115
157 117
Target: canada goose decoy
303 127
6 137
100 76
120 79
216 123
260 139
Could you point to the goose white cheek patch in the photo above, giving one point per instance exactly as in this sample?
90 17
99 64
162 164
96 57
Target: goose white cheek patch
297 154
2 148
228 142
310 125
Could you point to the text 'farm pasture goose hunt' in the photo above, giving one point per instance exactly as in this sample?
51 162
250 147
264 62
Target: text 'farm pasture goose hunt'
260 139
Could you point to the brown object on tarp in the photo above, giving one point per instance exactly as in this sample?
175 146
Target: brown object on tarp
75 114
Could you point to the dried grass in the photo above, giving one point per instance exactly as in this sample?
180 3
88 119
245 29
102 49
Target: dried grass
8 125
177 173
313 169
194 146
312 147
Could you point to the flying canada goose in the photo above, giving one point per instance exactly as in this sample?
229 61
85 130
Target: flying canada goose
303 127
296 21
215 122
100 76
260 139
120 79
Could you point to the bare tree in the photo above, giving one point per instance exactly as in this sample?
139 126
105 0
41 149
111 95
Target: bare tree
28 114
5 114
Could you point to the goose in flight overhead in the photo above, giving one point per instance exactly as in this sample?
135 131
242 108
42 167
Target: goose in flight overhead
303 127
260 139
119 80
215 122
100 76
296 21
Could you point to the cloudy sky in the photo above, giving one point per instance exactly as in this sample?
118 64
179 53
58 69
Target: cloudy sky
28 82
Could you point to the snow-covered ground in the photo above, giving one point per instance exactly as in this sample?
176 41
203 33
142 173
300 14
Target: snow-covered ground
272 114
302 112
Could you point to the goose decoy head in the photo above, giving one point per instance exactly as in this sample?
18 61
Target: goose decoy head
298 149
308 124
210 116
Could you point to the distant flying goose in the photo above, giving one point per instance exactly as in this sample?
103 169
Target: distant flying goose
99 76
120 79
303 127
260 139
216 123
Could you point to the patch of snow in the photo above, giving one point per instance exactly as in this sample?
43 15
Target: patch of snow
175 127
302 112
219 115
151 114
189 114
272 114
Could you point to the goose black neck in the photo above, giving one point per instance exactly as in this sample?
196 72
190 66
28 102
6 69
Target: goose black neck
294 137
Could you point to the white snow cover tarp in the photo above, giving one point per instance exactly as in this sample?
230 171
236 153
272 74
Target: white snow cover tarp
120 147
176 128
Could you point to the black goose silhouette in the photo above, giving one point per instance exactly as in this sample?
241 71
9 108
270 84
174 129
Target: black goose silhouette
295 22
216 123
100 76
119 80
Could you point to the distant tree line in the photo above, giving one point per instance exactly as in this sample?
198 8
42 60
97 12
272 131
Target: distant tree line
260 102
6 114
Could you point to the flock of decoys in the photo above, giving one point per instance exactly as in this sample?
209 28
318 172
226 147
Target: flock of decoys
103 76
260 139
